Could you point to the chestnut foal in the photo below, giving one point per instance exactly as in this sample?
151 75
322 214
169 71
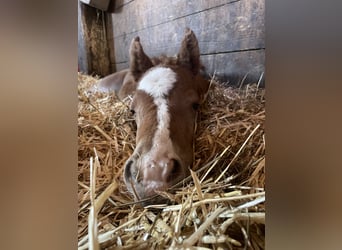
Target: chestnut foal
167 93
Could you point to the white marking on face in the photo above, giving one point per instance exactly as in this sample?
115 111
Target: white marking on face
158 83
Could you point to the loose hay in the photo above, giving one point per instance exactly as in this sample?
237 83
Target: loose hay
220 206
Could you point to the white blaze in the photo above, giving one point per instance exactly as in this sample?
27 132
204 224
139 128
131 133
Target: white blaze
157 83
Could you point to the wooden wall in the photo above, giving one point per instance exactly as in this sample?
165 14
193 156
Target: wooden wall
93 51
231 33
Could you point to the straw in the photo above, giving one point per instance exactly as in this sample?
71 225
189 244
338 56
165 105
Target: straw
221 205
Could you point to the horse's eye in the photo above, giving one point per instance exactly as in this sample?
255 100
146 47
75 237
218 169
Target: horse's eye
195 106
132 111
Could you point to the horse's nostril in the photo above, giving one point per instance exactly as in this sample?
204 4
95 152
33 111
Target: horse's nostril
174 170
127 170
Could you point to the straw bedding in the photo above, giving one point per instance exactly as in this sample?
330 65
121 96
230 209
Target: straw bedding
220 206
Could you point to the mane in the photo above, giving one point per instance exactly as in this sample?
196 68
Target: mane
164 60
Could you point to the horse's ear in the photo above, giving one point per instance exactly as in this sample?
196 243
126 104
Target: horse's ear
204 86
189 54
139 61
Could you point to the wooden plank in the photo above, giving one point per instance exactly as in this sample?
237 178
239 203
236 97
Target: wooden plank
82 47
222 27
232 67
121 3
143 14
217 32
120 66
93 42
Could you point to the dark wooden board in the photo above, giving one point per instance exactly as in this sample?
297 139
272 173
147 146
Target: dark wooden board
230 32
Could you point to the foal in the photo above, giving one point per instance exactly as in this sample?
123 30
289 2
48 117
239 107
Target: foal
168 92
